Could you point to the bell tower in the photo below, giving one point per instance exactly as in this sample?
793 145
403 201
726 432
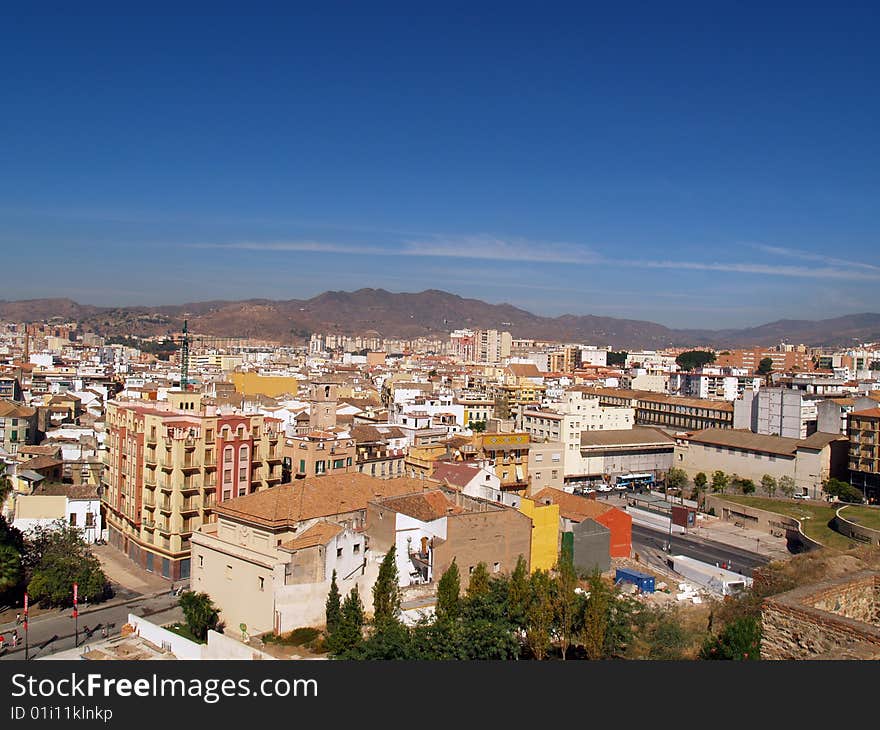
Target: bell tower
322 406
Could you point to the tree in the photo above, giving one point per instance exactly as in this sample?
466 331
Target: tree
738 640
56 557
539 614
694 359
765 367
349 632
449 594
746 486
478 426
386 590
874 365
786 485
700 481
720 481
518 594
565 599
10 568
768 484
616 359
844 491
479 581
676 479
333 606
200 613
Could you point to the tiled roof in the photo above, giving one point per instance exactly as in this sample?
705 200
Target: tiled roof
318 534
42 462
870 413
11 409
457 474
315 497
571 506
426 506
748 441
626 437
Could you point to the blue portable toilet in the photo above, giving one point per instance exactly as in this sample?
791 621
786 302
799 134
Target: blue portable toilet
643 581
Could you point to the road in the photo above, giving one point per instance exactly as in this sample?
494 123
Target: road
51 634
743 561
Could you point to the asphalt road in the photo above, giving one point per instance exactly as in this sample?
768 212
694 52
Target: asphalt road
51 634
743 561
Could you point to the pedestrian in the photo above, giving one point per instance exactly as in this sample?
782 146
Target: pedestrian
14 639
17 619
2 642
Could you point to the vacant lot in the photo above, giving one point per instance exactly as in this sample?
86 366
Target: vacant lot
814 517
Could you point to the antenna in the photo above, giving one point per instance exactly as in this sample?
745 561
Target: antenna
184 358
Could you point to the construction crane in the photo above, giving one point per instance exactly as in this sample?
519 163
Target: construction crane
184 357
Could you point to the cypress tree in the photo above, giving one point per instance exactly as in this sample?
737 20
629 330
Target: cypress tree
449 594
333 607
386 591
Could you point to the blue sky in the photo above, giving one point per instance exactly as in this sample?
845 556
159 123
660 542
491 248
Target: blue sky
698 165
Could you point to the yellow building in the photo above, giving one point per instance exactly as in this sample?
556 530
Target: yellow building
268 385
545 533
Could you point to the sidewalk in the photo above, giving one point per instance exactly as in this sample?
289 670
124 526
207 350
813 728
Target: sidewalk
755 541
125 573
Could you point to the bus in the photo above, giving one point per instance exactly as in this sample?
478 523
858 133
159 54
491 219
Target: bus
634 481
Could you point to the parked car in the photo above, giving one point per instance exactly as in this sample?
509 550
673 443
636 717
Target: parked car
605 488
801 496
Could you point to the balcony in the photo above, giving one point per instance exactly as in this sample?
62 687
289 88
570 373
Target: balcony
164 528
165 506
190 466
149 524
167 465
191 507
190 487
150 458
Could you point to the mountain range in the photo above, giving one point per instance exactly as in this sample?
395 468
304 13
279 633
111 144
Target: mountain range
430 313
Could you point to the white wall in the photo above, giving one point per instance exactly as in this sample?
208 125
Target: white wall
179 646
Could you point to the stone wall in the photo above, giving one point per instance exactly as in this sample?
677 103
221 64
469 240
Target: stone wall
758 519
832 619
853 530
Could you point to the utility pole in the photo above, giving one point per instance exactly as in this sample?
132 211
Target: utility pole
75 617
25 626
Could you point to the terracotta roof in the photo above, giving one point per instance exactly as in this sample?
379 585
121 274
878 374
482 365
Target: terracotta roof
425 506
456 473
626 437
318 534
364 433
42 462
11 409
71 491
572 506
525 370
748 441
50 450
870 413
315 497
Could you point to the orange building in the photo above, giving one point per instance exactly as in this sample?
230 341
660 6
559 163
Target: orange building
575 509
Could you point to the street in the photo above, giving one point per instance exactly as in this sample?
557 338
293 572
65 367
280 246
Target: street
50 634
743 561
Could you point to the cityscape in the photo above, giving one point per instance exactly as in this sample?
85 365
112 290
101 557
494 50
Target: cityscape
281 482
468 332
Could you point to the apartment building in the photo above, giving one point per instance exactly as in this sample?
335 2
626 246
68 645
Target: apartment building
578 412
169 464
713 383
833 413
18 426
864 452
669 412
777 412
784 361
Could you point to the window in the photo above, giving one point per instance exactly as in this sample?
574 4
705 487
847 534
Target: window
228 572
262 582
338 552
209 434
90 519
338 463
320 467
496 568
227 455
302 466
227 476
243 453
356 548
242 473
73 519
348 461
201 561
555 473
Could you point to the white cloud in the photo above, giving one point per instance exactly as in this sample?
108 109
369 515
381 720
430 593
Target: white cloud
809 256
